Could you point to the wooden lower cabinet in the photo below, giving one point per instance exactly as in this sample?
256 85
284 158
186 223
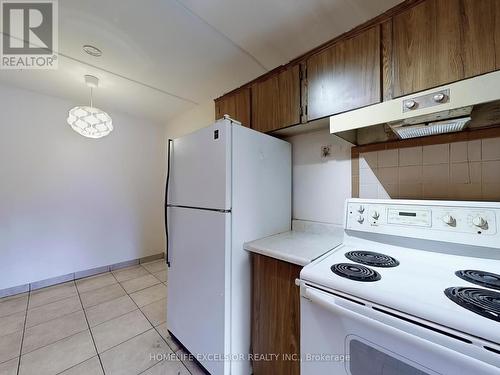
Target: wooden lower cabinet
275 316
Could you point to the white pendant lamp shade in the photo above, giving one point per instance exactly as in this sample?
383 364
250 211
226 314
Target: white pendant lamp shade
89 121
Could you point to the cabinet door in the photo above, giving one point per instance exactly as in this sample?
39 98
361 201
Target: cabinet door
236 105
276 101
344 76
275 315
441 41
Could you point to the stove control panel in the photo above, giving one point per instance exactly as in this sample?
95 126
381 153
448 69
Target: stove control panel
469 219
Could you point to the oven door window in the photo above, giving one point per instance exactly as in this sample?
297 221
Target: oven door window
368 358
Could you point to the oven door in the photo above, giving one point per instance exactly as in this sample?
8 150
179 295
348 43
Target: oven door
343 337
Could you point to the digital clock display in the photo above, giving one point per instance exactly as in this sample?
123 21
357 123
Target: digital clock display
411 214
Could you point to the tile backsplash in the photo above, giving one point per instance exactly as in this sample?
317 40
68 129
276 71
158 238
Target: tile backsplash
467 170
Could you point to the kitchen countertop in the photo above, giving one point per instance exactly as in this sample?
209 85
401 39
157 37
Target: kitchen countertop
306 242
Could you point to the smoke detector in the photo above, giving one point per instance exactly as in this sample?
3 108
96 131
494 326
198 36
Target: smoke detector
92 50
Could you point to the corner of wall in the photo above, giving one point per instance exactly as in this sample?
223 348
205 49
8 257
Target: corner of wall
188 121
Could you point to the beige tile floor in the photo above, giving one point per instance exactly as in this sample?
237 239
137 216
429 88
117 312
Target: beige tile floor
112 323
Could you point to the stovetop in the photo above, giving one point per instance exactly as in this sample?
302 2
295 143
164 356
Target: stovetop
435 260
420 285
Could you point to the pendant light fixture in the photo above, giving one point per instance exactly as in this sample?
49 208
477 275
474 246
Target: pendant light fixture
91 122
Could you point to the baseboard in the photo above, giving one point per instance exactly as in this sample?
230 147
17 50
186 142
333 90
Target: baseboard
76 275
152 257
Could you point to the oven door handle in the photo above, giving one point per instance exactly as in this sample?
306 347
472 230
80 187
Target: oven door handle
329 303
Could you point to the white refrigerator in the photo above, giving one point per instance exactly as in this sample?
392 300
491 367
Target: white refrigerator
226 185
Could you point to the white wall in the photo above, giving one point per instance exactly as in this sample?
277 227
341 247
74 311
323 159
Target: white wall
68 203
320 185
198 117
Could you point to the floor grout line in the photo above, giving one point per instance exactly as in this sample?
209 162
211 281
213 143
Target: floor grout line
86 319
24 330
156 330
90 331
14 297
140 290
45 304
52 319
93 290
57 300
88 307
7 316
130 338
44 346
78 364
67 337
116 317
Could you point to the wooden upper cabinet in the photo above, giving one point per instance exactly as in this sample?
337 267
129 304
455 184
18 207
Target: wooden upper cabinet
441 41
344 76
276 101
236 105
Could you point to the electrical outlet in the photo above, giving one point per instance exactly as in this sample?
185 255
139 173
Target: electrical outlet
326 151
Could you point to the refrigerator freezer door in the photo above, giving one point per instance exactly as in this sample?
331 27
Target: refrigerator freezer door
198 288
201 168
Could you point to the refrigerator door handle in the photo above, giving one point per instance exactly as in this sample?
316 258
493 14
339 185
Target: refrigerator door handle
167 259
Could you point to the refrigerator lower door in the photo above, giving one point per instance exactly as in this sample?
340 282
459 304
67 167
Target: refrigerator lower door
198 284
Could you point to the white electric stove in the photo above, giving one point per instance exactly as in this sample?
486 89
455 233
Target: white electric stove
413 290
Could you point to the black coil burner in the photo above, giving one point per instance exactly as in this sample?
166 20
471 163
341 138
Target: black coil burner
481 301
371 258
483 278
355 272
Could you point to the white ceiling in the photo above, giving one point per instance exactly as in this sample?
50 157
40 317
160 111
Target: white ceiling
162 57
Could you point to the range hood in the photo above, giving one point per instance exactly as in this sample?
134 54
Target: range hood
471 103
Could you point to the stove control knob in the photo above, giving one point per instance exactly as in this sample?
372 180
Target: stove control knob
480 222
361 209
450 220
361 219
438 98
410 104
375 215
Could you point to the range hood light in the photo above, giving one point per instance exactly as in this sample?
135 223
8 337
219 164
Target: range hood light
432 128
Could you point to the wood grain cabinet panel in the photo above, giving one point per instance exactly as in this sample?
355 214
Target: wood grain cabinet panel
236 105
344 76
276 101
497 34
442 41
275 315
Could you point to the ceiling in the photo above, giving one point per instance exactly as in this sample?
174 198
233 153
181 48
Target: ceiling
163 57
